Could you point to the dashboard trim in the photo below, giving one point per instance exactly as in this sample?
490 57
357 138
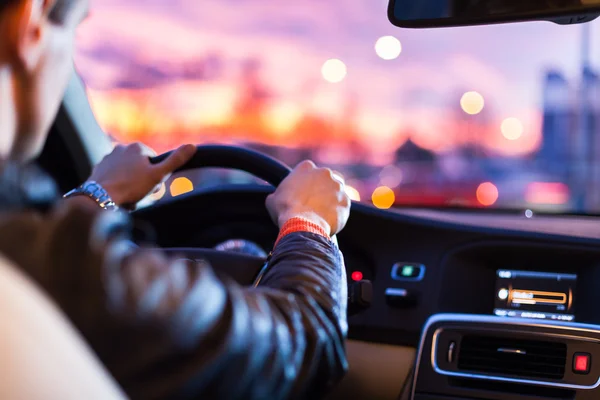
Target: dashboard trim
441 371
495 320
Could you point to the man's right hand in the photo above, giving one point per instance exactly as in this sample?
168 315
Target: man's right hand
316 194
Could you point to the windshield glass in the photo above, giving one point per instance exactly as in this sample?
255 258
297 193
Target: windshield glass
501 116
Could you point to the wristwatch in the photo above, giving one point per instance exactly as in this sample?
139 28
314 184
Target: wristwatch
95 192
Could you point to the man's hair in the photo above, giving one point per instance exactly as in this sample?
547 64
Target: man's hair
58 13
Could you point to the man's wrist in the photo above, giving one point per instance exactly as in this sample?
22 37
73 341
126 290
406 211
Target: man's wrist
301 224
309 216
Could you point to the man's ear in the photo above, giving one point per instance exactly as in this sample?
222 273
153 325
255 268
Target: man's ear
29 26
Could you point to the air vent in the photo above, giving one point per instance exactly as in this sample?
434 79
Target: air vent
512 357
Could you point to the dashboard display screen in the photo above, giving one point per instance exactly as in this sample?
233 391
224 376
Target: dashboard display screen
530 294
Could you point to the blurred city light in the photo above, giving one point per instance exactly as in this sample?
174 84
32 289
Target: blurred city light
547 193
512 128
514 125
388 47
390 176
334 70
159 194
180 186
528 213
472 103
284 116
352 193
383 197
487 194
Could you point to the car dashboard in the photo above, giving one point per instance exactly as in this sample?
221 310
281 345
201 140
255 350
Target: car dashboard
516 293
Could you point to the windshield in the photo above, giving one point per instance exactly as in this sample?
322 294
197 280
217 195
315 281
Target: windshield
502 116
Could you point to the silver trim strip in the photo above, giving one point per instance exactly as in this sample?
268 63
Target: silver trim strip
434 319
441 371
450 355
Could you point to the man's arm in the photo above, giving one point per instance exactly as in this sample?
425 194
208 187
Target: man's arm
172 329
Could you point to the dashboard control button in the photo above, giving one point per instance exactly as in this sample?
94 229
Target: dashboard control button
360 296
397 297
406 271
582 363
361 293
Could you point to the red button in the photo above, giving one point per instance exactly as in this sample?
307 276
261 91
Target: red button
581 363
357 276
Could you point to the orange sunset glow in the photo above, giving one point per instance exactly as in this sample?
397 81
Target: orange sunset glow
308 98
437 105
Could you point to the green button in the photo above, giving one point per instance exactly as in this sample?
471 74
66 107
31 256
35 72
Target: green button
408 270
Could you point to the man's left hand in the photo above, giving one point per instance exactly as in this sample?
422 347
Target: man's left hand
128 176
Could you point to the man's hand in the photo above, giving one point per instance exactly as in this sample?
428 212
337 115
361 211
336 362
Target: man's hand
313 193
128 176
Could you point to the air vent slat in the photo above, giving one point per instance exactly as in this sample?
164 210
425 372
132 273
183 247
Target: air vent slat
546 353
480 360
512 357
481 354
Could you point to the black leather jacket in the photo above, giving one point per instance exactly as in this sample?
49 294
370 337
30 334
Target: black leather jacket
171 329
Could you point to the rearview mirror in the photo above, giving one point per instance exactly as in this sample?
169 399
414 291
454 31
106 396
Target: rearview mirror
446 13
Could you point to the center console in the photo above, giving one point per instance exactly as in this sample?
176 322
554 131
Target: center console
535 294
522 281
464 356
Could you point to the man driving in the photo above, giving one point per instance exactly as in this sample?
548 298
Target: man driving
164 328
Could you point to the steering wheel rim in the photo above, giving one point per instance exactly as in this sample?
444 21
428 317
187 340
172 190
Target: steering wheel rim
253 162
222 156
243 268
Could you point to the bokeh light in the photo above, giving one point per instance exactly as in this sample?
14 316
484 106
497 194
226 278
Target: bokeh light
487 194
160 193
512 128
547 193
181 186
528 213
283 117
388 47
383 197
352 193
472 103
390 176
334 70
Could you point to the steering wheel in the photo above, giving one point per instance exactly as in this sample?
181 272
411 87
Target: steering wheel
243 268
219 156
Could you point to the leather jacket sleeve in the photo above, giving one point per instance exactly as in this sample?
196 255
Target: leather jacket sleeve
170 328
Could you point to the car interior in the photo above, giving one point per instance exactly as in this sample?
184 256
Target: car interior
444 302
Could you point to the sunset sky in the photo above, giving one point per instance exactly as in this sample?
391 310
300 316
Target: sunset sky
138 59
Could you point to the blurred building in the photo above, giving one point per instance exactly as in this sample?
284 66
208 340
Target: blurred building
558 123
590 132
570 148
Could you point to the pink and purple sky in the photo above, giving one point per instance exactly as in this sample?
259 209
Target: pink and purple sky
138 59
